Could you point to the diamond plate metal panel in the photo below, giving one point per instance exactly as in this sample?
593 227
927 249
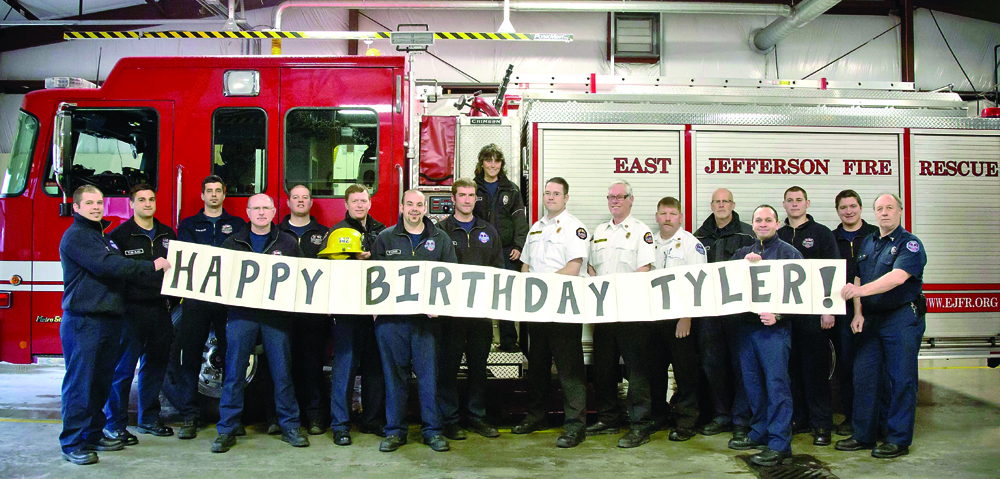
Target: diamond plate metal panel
472 138
750 115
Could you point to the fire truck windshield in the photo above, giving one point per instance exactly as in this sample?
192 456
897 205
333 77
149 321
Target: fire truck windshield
19 164
113 149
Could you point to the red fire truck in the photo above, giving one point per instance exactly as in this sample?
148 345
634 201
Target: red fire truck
264 123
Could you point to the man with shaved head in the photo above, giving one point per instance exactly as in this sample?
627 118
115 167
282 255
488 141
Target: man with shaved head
408 342
722 234
243 326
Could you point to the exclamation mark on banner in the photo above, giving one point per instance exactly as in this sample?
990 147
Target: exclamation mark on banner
827 273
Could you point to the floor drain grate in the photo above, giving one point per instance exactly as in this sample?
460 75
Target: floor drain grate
802 466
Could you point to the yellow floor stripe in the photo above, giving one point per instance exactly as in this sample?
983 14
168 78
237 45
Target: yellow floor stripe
32 421
959 367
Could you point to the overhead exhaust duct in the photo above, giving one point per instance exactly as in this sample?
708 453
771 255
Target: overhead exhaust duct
538 6
764 40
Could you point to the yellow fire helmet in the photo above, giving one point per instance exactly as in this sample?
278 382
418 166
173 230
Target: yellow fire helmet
341 243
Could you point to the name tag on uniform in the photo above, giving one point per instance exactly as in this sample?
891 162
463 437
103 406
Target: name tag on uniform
535 233
133 252
600 240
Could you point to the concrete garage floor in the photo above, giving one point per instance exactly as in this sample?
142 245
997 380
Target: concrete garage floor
957 436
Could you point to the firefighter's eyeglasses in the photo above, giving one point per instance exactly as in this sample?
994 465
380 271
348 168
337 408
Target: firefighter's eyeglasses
618 197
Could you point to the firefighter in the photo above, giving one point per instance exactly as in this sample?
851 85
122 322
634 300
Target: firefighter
622 245
309 331
91 329
245 324
355 348
557 243
476 243
404 338
147 330
211 226
849 234
676 247
764 350
890 323
810 357
722 234
498 201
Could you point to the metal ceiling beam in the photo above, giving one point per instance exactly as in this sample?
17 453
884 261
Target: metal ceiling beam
906 60
21 10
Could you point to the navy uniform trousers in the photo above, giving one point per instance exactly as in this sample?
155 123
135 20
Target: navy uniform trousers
764 356
90 345
719 350
630 341
146 337
562 343
310 333
241 333
889 344
472 337
356 351
809 369
181 387
403 339
682 353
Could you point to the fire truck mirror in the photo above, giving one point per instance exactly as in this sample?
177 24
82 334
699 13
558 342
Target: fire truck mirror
61 140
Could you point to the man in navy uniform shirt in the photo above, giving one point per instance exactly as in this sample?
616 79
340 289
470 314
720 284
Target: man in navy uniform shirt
211 226
406 338
476 243
890 279
850 233
764 350
810 359
147 331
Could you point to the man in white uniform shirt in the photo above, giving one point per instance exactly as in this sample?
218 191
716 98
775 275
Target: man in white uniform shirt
622 245
557 243
676 247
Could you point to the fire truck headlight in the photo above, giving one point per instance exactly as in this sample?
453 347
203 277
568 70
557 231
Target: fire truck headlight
242 83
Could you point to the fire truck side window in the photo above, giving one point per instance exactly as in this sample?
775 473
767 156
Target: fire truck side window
239 149
19 164
330 149
113 149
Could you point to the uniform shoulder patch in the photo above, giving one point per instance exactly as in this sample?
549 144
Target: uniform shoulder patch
808 243
113 245
913 246
430 245
227 229
581 233
316 239
166 242
648 237
700 248
483 237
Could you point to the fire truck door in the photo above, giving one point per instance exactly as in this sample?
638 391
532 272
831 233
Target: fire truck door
117 145
337 129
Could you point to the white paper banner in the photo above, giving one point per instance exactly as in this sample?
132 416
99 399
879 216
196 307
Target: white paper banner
426 287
